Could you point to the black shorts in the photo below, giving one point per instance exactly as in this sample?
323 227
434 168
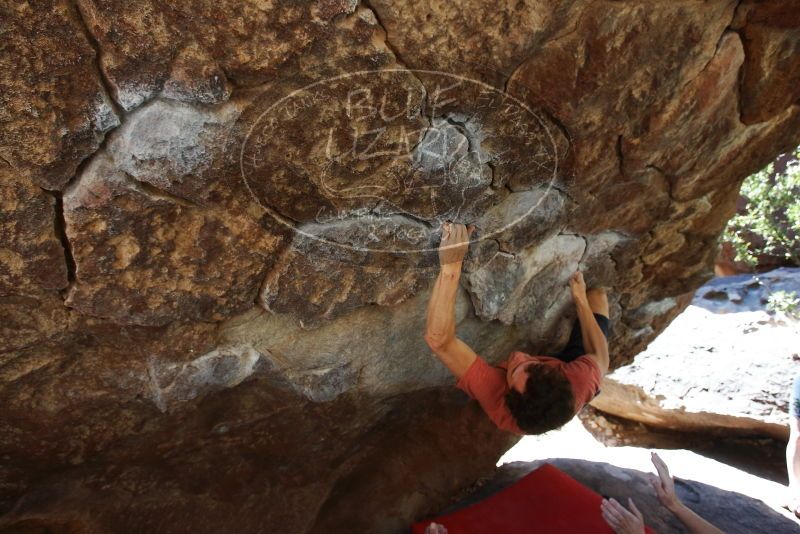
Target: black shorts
574 347
794 405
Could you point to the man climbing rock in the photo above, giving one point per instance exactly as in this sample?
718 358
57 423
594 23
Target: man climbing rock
524 394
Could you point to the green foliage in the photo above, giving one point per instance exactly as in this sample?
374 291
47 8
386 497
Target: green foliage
786 302
773 214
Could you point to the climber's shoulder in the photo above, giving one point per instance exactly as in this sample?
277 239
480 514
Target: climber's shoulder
599 362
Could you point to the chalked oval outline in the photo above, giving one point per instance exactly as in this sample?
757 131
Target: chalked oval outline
280 218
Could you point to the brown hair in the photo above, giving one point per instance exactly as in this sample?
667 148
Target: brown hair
546 404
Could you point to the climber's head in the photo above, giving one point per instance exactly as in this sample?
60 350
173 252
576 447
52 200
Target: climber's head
540 397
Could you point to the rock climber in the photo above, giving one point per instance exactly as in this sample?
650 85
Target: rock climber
525 394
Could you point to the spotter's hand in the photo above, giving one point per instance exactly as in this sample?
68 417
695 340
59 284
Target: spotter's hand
621 520
664 484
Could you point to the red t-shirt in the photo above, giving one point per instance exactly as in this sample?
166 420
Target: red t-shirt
488 385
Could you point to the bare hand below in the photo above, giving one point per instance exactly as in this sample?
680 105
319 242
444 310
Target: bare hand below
455 242
435 528
664 485
665 489
621 520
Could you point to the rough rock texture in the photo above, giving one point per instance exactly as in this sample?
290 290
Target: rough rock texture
730 511
55 109
725 365
771 42
219 223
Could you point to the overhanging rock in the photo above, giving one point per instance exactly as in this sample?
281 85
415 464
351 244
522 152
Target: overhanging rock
219 223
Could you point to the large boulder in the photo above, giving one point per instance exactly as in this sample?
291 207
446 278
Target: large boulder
219 223
725 365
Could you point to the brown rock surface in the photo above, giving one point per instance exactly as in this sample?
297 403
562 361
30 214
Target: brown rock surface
32 256
55 109
183 51
771 39
33 267
156 230
212 320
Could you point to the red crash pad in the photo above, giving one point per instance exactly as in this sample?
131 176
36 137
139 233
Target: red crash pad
544 501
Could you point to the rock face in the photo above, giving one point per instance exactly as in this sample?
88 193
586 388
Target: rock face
725 365
729 511
219 224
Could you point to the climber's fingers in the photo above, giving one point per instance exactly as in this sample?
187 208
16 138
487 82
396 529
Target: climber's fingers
460 232
454 233
448 234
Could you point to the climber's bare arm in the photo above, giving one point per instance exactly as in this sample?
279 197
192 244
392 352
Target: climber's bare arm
594 341
440 329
